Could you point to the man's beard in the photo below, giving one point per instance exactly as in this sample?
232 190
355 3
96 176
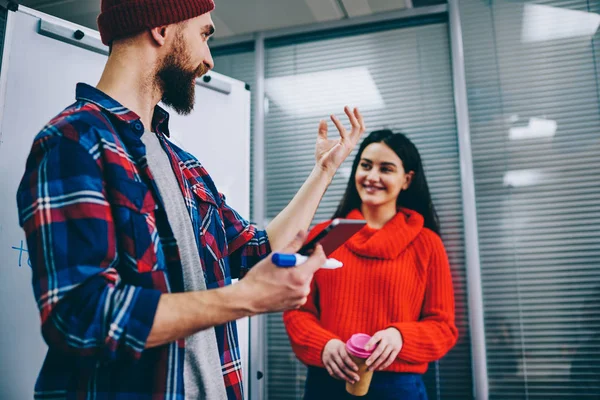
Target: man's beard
178 82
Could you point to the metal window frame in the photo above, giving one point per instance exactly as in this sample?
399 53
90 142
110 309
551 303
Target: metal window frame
467 179
258 365
258 324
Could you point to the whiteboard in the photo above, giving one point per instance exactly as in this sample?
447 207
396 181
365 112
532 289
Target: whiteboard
37 80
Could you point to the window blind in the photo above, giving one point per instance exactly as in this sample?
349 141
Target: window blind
401 79
533 93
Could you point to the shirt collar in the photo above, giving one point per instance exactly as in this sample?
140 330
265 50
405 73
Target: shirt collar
85 92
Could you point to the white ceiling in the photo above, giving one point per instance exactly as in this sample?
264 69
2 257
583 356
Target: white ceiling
236 17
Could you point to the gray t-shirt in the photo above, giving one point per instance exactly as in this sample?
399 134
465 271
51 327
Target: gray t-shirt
203 377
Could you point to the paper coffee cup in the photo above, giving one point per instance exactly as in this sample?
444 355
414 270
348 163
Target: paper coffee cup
356 349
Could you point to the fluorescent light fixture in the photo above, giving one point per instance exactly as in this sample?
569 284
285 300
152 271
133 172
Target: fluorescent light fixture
523 177
325 92
542 23
537 128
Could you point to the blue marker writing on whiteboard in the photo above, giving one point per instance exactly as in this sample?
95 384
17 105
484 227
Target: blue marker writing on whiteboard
293 260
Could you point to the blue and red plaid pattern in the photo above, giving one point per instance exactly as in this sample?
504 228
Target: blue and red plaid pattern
102 253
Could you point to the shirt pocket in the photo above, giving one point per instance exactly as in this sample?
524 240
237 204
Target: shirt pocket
210 218
203 195
213 240
137 238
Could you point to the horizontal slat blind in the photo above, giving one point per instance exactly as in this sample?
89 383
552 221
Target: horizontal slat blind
409 69
538 196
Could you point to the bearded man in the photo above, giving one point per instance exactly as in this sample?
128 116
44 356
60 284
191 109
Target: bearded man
133 248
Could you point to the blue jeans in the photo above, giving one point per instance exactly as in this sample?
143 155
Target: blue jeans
384 386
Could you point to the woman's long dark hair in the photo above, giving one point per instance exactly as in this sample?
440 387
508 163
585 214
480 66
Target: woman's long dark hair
416 197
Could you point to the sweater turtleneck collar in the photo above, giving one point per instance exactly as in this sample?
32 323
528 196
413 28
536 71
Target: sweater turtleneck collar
389 241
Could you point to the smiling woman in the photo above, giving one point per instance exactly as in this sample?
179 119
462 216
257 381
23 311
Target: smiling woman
388 174
380 177
395 284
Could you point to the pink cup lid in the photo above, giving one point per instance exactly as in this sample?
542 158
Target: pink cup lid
356 345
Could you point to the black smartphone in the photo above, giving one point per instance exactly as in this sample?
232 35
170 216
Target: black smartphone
334 235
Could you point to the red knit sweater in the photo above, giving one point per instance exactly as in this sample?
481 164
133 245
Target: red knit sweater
398 277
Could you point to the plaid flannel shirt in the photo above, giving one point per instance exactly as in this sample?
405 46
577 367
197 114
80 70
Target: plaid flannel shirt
103 252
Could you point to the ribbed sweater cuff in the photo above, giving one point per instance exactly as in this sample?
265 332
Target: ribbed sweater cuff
308 340
412 350
316 345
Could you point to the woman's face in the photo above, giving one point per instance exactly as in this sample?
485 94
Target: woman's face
380 176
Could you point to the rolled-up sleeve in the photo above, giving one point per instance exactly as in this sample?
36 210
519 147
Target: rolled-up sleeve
246 244
84 305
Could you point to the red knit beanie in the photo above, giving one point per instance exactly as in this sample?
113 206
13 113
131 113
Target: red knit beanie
121 18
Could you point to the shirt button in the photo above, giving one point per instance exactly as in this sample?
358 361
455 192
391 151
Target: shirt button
137 126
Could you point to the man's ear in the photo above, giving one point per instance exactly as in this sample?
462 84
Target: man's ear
159 34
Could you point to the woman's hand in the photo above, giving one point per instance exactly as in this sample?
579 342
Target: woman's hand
338 363
389 344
